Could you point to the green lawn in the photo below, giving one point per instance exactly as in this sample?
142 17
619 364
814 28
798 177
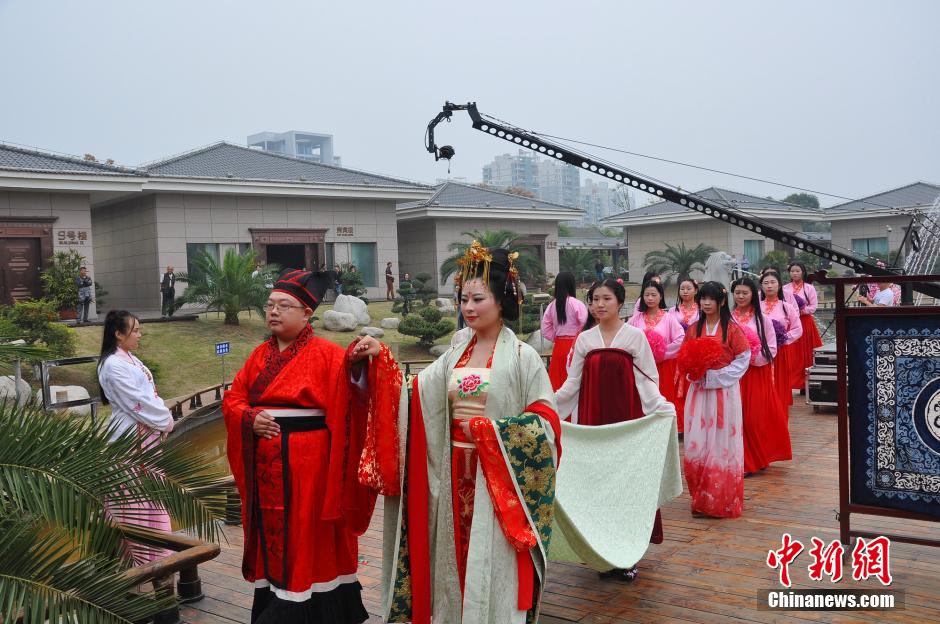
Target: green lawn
184 352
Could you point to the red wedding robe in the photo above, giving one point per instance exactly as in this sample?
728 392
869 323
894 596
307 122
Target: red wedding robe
303 504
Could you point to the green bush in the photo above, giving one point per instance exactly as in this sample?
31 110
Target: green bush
36 323
427 326
100 293
529 316
58 280
418 293
778 259
352 283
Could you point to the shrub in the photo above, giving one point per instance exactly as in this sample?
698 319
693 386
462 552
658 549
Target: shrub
419 292
427 326
352 283
36 322
58 280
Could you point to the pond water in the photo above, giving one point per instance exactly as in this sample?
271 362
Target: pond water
210 441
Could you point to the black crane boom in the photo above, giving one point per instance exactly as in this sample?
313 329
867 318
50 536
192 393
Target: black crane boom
691 201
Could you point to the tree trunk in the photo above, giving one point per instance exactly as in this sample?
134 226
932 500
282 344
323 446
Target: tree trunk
231 318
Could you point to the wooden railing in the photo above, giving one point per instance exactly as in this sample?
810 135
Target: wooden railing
192 402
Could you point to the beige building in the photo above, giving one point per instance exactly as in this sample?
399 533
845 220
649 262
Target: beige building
427 227
649 228
131 223
878 224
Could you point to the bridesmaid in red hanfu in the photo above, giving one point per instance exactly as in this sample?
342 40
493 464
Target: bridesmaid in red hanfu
686 312
786 322
766 431
664 334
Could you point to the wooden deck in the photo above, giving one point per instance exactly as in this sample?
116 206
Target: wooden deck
705 571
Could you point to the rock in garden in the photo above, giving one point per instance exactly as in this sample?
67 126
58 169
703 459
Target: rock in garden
438 350
375 332
339 321
445 305
390 323
8 389
538 343
355 306
61 394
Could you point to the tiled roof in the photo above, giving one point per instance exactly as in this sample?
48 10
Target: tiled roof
23 159
228 161
733 199
913 195
456 195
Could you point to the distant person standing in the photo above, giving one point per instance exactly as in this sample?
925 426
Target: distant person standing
389 282
338 282
745 265
84 285
599 270
168 290
736 267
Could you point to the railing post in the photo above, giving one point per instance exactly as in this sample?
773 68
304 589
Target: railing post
189 587
192 402
164 586
218 393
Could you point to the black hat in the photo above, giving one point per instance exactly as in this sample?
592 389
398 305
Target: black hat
307 287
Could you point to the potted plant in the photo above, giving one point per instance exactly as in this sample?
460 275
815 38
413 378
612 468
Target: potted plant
58 281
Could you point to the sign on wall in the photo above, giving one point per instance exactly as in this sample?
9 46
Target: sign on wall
344 230
72 238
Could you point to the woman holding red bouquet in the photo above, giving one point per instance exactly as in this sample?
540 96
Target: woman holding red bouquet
806 300
766 432
714 357
786 322
665 335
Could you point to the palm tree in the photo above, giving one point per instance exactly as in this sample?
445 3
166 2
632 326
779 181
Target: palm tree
576 261
678 259
528 263
63 556
227 287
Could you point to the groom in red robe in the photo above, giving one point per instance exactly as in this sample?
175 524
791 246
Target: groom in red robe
299 415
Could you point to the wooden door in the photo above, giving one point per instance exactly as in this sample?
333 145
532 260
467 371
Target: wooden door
20 264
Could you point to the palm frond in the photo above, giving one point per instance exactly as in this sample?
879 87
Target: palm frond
528 263
39 583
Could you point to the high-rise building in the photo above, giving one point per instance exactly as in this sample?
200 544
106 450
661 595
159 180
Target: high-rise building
508 171
558 182
595 200
307 145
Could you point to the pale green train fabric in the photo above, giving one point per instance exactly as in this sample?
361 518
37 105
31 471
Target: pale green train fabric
610 482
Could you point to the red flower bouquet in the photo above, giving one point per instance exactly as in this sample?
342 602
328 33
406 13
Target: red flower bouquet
657 344
698 355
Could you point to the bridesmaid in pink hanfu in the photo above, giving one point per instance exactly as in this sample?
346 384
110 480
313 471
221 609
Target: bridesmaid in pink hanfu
786 321
652 317
714 450
686 312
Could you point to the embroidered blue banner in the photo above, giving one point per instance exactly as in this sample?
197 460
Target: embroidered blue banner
894 411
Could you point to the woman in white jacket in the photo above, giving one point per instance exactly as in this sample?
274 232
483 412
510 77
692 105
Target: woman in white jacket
128 387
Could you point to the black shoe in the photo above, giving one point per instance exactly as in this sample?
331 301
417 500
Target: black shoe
620 574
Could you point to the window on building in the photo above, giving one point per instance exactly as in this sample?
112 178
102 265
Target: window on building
194 250
754 251
867 246
330 256
363 255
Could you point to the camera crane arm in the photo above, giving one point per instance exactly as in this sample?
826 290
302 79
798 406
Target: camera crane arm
705 206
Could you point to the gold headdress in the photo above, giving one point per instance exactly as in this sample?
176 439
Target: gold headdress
476 255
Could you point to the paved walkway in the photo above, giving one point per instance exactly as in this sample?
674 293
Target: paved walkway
705 571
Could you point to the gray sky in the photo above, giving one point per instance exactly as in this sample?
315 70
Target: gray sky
831 95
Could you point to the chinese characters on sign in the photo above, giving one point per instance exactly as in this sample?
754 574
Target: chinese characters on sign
551 244
344 230
71 238
869 559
